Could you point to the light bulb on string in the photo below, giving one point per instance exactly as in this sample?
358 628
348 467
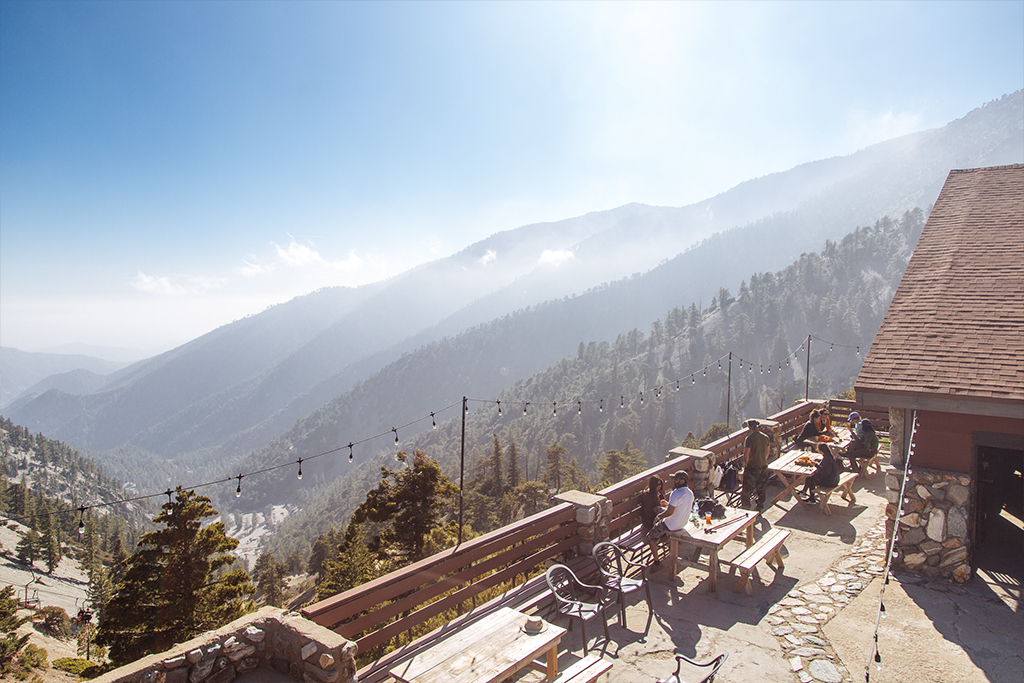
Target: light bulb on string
858 350
719 364
238 491
169 503
705 372
600 406
622 401
579 407
525 406
395 430
466 407
299 477
350 444
499 408
769 369
677 385
762 369
554 409
692 380
81 520
641 398
433 422
830 347
741 364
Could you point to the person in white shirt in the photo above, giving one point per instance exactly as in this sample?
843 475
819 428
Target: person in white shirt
680 505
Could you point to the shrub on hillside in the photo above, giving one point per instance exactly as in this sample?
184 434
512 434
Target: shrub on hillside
56 622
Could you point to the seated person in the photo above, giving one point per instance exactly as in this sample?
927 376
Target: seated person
652 502
826 420
677 514
863 447
808 437
825 474
856 428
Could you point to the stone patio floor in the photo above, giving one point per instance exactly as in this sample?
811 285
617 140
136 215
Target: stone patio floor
815 620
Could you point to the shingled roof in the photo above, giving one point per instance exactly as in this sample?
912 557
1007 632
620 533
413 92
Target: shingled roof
955 327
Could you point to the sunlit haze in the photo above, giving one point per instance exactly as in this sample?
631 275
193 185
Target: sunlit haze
166 168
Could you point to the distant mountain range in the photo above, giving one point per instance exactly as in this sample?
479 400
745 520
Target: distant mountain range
221 397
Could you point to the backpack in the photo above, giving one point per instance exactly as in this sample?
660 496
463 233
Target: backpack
730 480
706 505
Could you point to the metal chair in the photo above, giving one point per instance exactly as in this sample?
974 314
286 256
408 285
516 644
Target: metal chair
569 592
715 665
613 565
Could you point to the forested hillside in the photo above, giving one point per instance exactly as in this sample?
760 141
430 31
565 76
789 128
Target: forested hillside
609 394
44 484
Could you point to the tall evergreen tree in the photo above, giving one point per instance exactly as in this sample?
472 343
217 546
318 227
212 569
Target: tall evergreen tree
172 590
496 466
557 465
28 547
515 474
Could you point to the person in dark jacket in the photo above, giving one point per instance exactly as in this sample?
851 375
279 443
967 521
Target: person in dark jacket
652 502
808 437
825 474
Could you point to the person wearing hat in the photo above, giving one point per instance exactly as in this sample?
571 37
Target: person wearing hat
864 445
680 506
755 466
856 428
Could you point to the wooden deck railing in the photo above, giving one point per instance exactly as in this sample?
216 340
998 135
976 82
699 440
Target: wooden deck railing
404 600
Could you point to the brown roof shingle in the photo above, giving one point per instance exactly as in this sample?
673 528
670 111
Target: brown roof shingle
955 327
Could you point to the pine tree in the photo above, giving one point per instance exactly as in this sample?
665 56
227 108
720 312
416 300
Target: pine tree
28 547
515 474
408 505
496 465
172 589
556 465
353 566
269 576
10 643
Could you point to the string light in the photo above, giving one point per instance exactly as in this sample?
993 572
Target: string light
600 406
395 430
238 491
579 406
525 406
705 371
554 409
499 409
300 469
641 398
169 503
692 380
350 444
622 401
433 422
81 520
677 385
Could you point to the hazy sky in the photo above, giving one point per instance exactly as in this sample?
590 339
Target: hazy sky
168 167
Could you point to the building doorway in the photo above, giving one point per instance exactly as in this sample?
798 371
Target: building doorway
999 520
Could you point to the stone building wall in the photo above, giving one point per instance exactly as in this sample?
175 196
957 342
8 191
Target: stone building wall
932 533
286 642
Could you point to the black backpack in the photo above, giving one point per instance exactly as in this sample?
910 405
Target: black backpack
706 505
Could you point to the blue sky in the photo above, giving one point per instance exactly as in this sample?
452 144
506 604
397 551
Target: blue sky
168 167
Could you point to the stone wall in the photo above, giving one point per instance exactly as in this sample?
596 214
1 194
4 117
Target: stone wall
285 642
932 536
593 513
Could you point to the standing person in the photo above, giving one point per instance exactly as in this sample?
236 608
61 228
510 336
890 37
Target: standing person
652 501
755 466
825 474
680 506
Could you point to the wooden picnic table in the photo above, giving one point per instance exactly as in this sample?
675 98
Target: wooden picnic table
491 649
792 474
712 538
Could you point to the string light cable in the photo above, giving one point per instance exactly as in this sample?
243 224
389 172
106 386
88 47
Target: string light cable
876 658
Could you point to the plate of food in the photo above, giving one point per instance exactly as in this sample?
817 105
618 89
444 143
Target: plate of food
805 460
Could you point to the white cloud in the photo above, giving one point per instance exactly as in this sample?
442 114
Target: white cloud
490 257
175 286
251 269
556 257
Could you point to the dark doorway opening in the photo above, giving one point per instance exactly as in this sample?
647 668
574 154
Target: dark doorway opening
999 519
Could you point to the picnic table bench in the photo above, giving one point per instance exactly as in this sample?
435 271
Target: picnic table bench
768 548
845 485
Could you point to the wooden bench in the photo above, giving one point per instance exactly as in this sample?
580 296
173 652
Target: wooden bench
845 484
587 670
865 463
768 548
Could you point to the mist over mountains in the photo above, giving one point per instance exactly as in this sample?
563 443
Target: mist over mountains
228 394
